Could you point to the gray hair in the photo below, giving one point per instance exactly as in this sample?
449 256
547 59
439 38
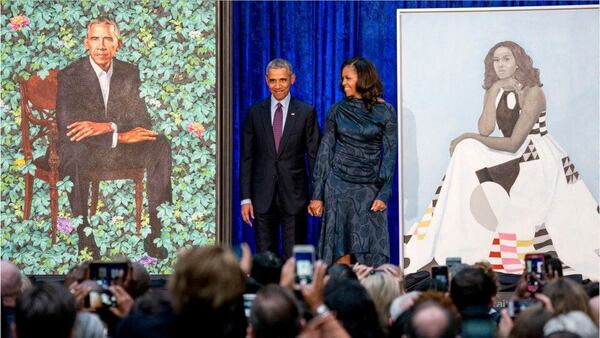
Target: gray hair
280 63
105 21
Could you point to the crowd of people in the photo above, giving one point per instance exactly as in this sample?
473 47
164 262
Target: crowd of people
214 293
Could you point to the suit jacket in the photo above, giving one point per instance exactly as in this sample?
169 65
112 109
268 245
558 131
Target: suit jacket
261 167
79 98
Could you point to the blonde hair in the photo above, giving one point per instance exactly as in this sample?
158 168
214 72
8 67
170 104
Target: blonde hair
566 296
211 273
383 289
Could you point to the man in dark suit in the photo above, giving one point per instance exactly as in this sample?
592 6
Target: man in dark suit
103 123
279 133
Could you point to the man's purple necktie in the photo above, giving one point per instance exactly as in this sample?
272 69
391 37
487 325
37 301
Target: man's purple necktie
277 124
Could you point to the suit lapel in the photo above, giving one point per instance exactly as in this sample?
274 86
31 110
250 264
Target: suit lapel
90 80
265 118
290 125
116 82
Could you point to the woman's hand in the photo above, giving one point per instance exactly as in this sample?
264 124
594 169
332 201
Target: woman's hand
457 140
378 205
315 208
510 84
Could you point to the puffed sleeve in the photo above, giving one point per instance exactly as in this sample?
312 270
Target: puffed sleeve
390 149
324 156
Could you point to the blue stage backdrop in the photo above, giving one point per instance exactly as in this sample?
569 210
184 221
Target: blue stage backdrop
316 37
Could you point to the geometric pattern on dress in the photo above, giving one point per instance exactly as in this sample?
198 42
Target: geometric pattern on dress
508 252
571 173
542 243
422 225
530 153
540 125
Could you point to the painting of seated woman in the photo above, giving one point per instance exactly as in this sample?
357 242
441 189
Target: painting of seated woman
508 195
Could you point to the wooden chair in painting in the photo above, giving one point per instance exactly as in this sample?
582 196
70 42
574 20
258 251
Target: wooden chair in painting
38 125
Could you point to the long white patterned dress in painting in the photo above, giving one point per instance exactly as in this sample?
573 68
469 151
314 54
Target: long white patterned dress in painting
497 206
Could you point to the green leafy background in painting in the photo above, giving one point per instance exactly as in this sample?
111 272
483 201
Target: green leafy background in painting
173 43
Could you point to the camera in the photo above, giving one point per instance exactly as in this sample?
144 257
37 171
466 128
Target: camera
105 275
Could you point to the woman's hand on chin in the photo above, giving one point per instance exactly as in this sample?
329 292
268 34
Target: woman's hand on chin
510 84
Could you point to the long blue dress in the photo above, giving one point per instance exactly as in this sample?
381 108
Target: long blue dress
350 173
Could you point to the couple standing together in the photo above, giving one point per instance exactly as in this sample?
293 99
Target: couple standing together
352 168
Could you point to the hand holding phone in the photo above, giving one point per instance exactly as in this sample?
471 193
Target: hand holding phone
534 267
304 255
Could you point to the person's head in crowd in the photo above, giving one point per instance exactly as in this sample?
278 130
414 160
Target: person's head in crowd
340 271
209 272
442 300
383 289
472 287
139 282
402 303
575 322
151 317
88 325
395 271
275 313
77 274
530 322
47 310
353 307
566 296
206 292
486 267
430 320
11 283
400 312
266 268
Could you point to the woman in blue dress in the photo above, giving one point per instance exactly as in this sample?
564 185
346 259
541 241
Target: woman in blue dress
353 173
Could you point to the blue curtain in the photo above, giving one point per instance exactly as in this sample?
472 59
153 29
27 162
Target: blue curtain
316 37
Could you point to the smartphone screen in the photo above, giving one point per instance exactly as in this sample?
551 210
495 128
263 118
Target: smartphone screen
440 273
304 255
107 274
516 306
248 299
534 265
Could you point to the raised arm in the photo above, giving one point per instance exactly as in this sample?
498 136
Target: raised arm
487 120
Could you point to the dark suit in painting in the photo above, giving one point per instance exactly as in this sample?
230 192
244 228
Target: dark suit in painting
79 98
277 182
